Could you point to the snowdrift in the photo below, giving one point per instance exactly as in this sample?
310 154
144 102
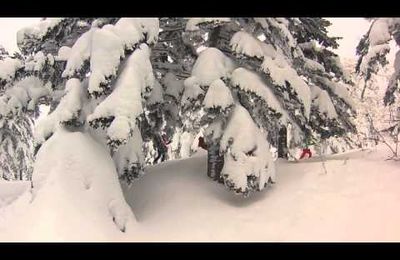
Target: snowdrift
76 196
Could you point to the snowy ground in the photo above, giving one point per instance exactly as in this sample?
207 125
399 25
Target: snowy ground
357 200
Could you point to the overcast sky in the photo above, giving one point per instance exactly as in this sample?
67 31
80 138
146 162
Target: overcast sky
351 29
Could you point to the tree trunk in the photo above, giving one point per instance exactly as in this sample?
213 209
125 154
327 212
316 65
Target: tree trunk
282 143
215 162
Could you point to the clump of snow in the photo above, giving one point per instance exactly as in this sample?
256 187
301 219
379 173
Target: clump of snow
129 32
8 67
218 95
214 130
26 93
106 46
313 65
280 72
211 64
192 24
80 52
63 53
374 51
250 81
69 108
126 99
341 91
244 43
379 33
322 100
247 153
131 153
38 30
150 27
282 26
192 90
106 52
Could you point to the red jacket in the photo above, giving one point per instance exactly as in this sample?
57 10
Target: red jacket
202 144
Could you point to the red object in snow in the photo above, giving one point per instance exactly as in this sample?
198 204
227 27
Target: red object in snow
202 144
306 151
164 139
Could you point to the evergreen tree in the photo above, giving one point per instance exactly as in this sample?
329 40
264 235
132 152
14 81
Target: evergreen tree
16 136
277 75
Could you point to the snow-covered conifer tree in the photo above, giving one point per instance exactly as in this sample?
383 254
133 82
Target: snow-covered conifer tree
16 136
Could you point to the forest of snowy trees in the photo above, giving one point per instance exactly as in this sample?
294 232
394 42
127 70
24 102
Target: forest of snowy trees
146 89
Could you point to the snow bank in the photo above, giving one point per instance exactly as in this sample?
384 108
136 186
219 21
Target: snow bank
11 190
76 196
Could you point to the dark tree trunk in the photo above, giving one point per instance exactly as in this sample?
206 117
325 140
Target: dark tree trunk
215 162
282 143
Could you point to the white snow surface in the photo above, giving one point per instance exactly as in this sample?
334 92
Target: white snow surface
11 190
355 201
175 201
76 196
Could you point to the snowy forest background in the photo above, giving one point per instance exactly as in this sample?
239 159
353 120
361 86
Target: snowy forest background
101 117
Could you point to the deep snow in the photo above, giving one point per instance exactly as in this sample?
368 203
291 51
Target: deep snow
357 200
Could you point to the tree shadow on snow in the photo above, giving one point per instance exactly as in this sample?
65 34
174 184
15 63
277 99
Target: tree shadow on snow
236 200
